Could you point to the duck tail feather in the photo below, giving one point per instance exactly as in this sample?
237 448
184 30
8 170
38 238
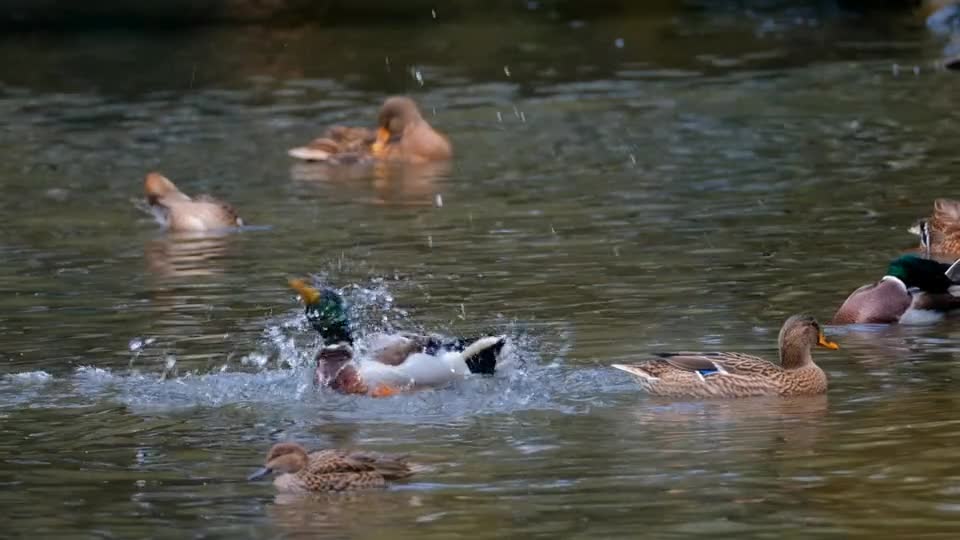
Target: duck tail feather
953 273
481 356
636 371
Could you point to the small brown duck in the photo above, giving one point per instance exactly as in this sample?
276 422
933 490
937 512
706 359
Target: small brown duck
737 375
402 134
180 213
940 233
329 470
913 291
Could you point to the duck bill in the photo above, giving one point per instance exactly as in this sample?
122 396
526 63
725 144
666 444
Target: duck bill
308 293
826 343
383 137
258 474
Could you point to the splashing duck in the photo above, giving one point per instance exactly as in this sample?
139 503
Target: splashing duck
402 134
913 291
180 213
736 375
391 363
329 470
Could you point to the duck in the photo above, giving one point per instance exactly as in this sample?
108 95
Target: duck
402 135
297 471
383 365
914 290
180 213
738 375
940 233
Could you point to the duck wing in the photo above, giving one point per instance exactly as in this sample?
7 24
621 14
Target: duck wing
348 461
340 144
717 362
394 349
223 211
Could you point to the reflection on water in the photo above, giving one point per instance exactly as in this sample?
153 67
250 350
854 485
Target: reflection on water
676 181
184 255
380 184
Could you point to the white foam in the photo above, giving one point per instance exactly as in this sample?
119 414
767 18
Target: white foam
29 377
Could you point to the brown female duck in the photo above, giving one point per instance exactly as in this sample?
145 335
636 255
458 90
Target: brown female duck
329 470
940 233
736 375
181 213
402 134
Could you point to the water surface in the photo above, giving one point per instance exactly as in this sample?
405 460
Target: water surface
681 180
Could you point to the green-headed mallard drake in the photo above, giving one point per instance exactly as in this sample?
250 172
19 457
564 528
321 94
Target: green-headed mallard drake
329 470
940 233
402 134
735 375
180 213
388 364
914 290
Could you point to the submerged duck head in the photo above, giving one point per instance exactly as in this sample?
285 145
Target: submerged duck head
282 458
396 115
326 310
917 272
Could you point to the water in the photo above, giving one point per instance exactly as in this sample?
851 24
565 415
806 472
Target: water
678 180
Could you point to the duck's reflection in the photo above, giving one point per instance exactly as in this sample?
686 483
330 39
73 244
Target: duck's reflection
381 183
304 516
187 254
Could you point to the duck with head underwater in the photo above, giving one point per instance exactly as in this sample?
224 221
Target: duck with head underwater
388 364
914 291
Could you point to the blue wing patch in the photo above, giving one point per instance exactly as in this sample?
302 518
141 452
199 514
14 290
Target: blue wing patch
706 372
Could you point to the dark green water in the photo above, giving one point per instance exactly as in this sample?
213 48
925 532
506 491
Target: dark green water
688 187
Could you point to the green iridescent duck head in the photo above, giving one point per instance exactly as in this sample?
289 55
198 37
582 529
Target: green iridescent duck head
326 310
924 274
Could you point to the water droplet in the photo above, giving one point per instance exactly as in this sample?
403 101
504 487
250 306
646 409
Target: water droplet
506 70
438 200
618 43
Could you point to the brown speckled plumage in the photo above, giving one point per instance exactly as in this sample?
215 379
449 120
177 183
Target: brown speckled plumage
402 134
330 470
181 213
943 228
732 375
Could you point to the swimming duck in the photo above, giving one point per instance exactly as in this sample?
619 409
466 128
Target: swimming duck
388 364
180 213
914 290
736 375
329 470
402 134
940 233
